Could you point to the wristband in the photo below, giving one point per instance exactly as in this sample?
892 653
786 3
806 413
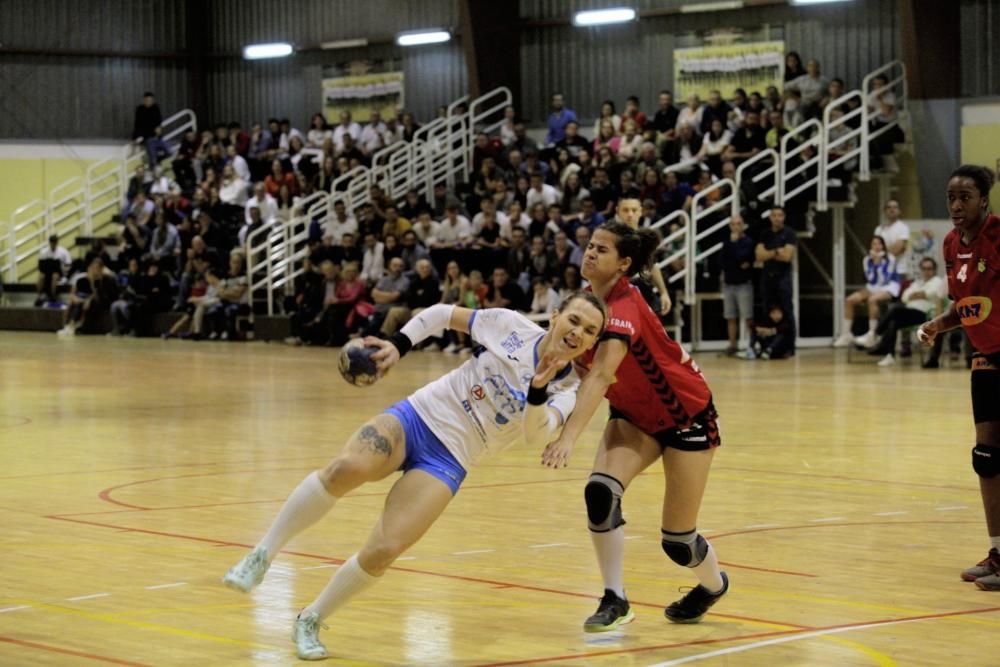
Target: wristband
537 395
402 343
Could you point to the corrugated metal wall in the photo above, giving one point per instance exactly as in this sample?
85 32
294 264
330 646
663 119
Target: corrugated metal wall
981 50
591 64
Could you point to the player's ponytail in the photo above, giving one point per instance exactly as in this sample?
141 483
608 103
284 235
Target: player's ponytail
638 245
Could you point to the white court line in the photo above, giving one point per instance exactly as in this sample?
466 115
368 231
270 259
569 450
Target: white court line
23 606
888 513
782 640
829 518
474 551
407 558
88 597
319 567
951 509
554 544
762 525
633 537
174 585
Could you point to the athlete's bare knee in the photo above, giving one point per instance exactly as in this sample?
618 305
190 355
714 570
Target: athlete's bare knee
378 557
344 473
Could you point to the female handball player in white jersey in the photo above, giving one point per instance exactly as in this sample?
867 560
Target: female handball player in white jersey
520 382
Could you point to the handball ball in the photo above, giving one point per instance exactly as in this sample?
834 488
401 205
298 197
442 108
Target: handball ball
356 364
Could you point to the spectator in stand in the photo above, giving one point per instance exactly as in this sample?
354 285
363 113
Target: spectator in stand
474 291
134 238
777 131
139 182
539 220
212 233
423 292
373 260
233 301
652 187
921 301
633 112
665 119
426 228
561 254
677 194
685 150
773 337
522 141
54 264
347 250
518 255
452 288
286 205
607 114
756 103
648 162
882 111
603 193
408 127
152 296
287 134
649 214
141 208
835 91
627 187
443 198
532 163
266 203
394 224
630 142
502 293
582 239
544 300
572 141
454 231
373 135
772 100
588 216
320 316
148 120
247 230
776 249
714 144
164 245
540 192
571 282
749 140
507 136
326 175
606 137
389 292
488 235
896 235
740 103
233 189
92 296
347 127
189 274
558 119
502 221
263 148
238 162
572 194
319 131
882 285
539 261
793 66
716 109
306 302
814 87
517 217
691 115
279 177
412 250
340 223
737 286
413 204
792 109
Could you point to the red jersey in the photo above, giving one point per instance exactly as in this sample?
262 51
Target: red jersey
657 386
974 283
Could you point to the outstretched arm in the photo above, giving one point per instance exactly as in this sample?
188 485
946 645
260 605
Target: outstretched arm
429 322
541 421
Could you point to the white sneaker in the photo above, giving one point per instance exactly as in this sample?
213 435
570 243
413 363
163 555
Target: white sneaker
305 634
886 361
213 335
68 330
844 340
867 340
248 572
224 335
452 347
293 340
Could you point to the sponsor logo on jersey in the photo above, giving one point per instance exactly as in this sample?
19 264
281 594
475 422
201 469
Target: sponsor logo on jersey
475 419
478 392
622 324
974 310
981 267
512 343
965 256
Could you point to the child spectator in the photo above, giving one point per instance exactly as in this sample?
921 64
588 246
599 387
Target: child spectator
772 339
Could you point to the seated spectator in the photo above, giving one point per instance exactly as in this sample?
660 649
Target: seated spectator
412 250
588 217
267 204
572 194
204 295
607 137
319 131
737 281
346 251
771 339
426 228
518 255
571 282
326 175
648 162
882 285
141 208
287 205
607 114
652 187
665 119
54 264
555 222
489 236
561 254
423 292
705 182
392 247
540 263
749 140
581 238
389 292
133 239
813 87
648 215
777 131
714 144
306 301
279 177
347 127
164 244
677 195
715 109
507 135
687 147
152 296
502 293
630 141
340 223
793 109
544 301
234 301
393 223
373 260
454 231
603 193
517 217
573 142
921 301
92 296
161 183
248 229
128 282
691 115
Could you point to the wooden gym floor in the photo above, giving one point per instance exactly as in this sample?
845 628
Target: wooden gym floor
135 472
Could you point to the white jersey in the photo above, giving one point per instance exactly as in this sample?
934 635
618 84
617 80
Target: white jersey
477 408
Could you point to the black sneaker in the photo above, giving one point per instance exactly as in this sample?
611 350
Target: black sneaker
612 612
691 607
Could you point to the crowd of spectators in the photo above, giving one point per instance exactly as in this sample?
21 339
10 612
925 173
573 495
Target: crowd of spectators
511 234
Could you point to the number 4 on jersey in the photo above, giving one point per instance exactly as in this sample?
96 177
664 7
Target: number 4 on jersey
963 273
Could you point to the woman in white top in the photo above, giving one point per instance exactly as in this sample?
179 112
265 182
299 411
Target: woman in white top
921 301
233 190
712 146
520 383
608 113
319 131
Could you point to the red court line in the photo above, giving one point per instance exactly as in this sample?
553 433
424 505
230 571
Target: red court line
768 569
720 640
66 651
849 479
442 575
157 467
838 525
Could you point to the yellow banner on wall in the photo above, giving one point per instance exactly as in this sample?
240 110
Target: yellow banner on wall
753 67
360 94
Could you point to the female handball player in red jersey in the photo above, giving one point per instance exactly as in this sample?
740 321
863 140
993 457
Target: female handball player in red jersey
972 262
661 410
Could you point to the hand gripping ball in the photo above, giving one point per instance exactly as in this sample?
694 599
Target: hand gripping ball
357 365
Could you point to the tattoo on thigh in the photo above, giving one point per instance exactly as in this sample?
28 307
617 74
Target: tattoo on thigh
376 441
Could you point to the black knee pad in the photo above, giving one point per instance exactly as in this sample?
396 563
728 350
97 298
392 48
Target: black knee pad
688 549
603 495
986 461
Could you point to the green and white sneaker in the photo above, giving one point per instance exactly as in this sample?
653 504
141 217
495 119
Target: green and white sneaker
305 634
249 572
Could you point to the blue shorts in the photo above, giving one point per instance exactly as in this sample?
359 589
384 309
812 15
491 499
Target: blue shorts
424 451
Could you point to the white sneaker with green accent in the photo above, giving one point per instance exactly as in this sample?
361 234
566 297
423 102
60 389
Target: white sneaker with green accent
305 634
248 572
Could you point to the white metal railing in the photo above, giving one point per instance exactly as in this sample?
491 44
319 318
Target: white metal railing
842 142
761 167
71 208
702 208
678 238
895 75
805 136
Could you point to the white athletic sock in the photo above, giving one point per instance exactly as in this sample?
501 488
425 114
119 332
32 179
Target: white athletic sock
307 504
708 572
848 326
610 549
995 541
349 580
872 326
